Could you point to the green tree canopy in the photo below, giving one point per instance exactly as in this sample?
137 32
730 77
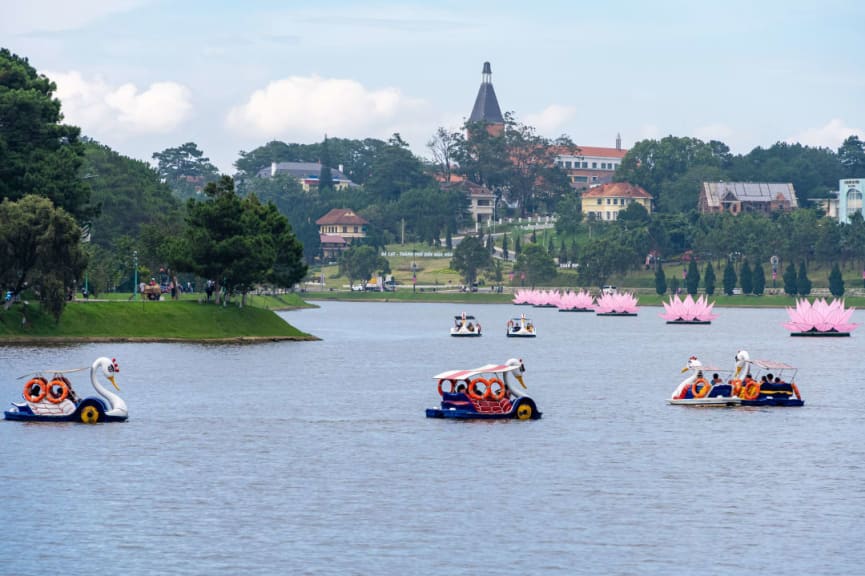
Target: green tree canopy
790 283
537 264
836 281
185 169
40 248
730 278
470 257
709 279
692 280
38 154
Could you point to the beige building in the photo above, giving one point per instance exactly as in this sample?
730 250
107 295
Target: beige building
604 202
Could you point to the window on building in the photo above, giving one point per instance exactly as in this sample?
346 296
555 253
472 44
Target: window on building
615 201
608 201
344 229
594 178
568 164
594 164
356 230
580 179
600 201
585 164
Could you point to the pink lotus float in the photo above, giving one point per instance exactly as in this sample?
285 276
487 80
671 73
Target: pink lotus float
521 297
581 301
820 318
618 304
688 311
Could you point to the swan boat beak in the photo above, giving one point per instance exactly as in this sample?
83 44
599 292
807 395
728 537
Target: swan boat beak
519 378
685 369
111 378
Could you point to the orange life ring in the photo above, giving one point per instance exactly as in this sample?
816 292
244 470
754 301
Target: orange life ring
453 385
752 390
40 385
737 386
796 390
59 396
703 391
473 394
495 395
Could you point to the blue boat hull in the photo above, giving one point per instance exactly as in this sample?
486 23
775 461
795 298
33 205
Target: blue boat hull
23 413
461 407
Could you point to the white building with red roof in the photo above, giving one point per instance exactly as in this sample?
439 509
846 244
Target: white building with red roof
588 166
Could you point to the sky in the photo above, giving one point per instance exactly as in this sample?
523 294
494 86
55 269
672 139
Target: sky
141 76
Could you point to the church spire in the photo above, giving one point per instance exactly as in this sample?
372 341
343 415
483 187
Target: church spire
486 108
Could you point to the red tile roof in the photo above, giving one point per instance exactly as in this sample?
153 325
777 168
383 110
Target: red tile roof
331 239
341 216
590 151
616 190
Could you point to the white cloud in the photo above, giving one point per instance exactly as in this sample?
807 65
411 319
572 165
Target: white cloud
551 120
101 109
312 106
831 135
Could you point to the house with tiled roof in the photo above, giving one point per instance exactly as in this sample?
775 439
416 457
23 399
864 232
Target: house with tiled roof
338 229
481 199
588 166
604 202
738 197
306 173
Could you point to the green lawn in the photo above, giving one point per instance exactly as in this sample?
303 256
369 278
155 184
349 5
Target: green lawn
183 320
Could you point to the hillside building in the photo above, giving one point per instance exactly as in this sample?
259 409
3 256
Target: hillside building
738 197
604 202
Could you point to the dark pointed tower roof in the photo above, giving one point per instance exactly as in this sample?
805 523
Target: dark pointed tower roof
486 107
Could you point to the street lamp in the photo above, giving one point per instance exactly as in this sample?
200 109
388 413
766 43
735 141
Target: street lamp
413 273
135 275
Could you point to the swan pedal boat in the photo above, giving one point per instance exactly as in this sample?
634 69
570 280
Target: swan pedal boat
484 393
466 326
521 327
52 399
698 390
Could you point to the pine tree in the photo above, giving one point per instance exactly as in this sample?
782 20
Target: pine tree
692 280
759 280
746 280
505 254
730 278
709 279
517 246
790 287
660 280
803 284
836 282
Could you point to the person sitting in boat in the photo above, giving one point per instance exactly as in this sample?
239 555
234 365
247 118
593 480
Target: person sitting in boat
716 379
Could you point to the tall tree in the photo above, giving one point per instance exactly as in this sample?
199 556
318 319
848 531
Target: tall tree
445 146
38 154
40 248
803 283
660 280
851 155
836 281
537 265
692 280
730 278
395 171
759 279
746 279
185 169
790 284
469 257
709 279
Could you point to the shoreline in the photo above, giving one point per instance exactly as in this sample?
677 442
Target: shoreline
27 340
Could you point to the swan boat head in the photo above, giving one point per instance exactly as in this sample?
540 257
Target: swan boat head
108 368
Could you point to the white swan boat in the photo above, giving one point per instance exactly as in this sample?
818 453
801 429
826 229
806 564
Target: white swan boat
706 386
49 397
466 325
521 327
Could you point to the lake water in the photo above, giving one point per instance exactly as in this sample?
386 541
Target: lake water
316 457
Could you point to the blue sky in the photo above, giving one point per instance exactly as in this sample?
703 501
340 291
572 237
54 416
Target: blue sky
144 75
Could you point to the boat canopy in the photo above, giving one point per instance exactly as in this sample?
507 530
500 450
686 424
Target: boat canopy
464 374
772 365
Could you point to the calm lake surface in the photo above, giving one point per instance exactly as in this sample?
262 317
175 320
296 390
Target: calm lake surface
316 457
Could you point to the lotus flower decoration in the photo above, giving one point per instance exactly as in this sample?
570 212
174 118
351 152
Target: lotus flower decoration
688 310
820 317
581 300
521 297
622 303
